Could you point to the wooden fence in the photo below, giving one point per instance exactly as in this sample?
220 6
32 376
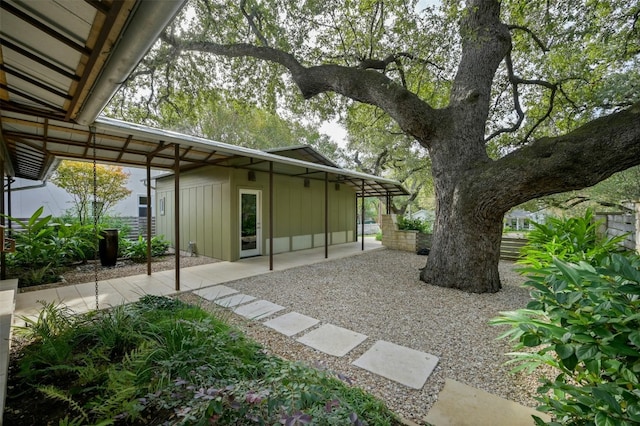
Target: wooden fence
628 224
510 248
135 226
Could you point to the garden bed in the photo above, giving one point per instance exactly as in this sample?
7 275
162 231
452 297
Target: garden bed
84 273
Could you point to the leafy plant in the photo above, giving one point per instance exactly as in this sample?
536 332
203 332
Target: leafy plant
33 244
44 246
137 250
585 322
162 357
571 240
414 225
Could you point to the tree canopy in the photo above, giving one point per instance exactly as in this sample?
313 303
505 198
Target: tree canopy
77 178
513 100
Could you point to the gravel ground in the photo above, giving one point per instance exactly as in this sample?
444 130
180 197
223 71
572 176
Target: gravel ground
378 293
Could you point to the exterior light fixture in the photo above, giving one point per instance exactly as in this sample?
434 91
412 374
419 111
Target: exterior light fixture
252 176
307 183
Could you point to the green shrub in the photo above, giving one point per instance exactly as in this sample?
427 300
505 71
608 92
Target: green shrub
379 236
137 250
414 225
43 247
571 240
584 321
162 359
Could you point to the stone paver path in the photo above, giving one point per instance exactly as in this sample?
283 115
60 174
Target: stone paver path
397 363
332 340
291 323
462 405
258 309
215 292
403 365
235 300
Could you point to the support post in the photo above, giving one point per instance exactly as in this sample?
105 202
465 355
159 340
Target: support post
3 255
177 214
637 212
362 214
271 215
149 216
388 203
357 219
9 202
326 215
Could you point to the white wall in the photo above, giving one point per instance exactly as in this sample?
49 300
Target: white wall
56 200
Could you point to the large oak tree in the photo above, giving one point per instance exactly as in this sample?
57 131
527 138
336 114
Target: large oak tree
513 100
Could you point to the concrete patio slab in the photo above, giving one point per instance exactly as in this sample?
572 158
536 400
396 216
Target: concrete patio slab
215 292
291 323
398 363
235 300
258 309
462 405
332 340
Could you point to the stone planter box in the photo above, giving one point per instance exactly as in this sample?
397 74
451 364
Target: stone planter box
396 239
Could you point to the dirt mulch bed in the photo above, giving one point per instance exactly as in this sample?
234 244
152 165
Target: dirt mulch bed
85 273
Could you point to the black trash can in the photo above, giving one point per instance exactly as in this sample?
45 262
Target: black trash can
108 247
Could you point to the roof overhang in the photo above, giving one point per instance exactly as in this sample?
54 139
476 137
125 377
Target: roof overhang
64 59
43 140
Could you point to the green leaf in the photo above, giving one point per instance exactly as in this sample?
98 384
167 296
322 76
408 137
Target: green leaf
569 272
564 351
607 399
570 362
530 340
593 366
633 411
634 337
587 351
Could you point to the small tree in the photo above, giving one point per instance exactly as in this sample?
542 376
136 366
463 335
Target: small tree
77 179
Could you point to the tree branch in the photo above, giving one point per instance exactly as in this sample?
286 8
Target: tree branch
250 17
535 38
578 159
413 115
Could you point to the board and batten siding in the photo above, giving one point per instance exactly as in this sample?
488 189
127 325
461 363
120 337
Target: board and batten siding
210 211
204 211
298 212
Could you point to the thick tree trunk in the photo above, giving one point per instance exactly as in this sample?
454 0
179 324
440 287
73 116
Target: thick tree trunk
465 249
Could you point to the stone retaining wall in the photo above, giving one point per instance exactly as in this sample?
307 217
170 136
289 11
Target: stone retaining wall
402 240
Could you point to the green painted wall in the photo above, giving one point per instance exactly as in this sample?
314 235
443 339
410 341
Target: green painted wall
210 211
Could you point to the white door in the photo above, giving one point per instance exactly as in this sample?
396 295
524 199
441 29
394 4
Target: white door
250 222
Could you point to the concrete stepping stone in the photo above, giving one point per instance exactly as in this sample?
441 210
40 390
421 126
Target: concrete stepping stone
235 300
398 363
462 405
258 309
215 292
291 323
332 340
